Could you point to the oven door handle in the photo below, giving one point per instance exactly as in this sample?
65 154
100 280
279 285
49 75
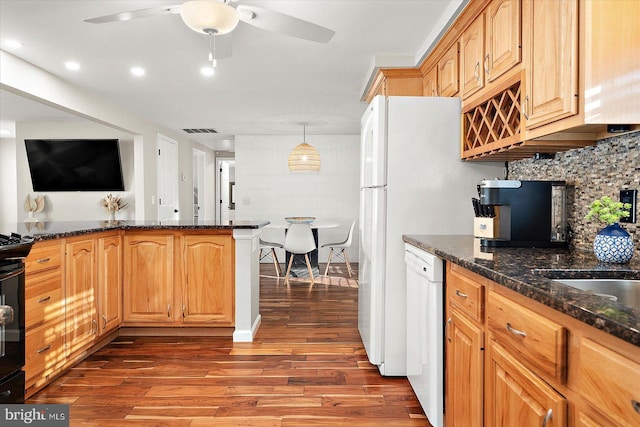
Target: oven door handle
6 314
11 273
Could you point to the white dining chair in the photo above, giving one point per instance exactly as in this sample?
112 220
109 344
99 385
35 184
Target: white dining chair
268 249
338 249
299 240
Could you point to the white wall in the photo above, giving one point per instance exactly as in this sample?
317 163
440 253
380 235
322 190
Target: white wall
24 79
266 189
75 205
8 191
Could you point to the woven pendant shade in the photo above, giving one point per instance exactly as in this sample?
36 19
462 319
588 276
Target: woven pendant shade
304 157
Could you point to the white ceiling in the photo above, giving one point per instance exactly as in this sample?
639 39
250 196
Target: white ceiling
270 83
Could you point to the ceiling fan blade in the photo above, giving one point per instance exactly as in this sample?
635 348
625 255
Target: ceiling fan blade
134 14
285 24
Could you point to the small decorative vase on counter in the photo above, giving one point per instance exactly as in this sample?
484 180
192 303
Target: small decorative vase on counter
613 244
112 215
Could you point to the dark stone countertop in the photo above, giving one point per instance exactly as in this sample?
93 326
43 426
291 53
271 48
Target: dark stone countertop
60 229
529 271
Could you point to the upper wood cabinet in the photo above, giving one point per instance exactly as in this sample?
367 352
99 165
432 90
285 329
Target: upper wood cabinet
472 72
430 82
550 60
396 82
448 72
208 279
148 278
503 37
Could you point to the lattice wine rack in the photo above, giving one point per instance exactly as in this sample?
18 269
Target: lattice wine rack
494 125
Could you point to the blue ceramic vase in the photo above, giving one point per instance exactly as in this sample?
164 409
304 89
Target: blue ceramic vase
613 244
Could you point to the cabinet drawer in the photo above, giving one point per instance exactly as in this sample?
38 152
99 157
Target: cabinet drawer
537 340
44 349
610 382
465 294
43 257
43 296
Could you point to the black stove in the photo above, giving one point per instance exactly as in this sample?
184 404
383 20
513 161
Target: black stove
13 250
15 246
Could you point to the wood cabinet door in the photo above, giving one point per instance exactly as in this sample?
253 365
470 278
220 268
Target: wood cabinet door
80 295
551 62
109 283
471 56
430 82
464 372
208 279
448 72
148 278
517 397
503 37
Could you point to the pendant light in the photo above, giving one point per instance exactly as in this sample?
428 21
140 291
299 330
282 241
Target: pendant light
304 157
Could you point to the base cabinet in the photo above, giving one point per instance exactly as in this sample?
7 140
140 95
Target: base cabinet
148 278
534 365
465 373
81 324
44 314
80 290
518 397
464 348
208 282
109 283
179 279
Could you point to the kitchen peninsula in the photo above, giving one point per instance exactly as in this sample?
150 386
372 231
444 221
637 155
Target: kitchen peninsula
88 282
519 343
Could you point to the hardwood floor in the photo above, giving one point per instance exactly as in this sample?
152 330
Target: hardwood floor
306 367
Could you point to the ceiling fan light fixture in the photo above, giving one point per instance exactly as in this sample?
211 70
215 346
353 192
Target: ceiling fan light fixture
205 16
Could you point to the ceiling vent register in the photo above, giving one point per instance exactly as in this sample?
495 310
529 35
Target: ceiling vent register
203 130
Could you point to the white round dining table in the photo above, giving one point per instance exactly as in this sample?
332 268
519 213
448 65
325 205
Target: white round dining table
299 266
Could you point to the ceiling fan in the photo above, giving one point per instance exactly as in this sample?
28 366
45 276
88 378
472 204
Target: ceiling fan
216 17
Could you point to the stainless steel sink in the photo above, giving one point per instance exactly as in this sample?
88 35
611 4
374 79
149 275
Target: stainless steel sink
624 291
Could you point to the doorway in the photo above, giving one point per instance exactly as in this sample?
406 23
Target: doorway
199 186
167 172
226 167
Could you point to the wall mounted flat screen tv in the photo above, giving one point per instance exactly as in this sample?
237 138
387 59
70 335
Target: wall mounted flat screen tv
74 164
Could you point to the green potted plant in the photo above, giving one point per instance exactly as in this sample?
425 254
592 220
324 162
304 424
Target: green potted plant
613 243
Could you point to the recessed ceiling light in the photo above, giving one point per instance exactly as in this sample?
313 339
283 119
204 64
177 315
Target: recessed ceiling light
207 71
138 71
13 44
72 65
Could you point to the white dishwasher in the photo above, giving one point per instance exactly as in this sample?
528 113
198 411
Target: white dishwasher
425 345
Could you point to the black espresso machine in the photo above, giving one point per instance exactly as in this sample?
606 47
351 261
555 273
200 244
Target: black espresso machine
518 213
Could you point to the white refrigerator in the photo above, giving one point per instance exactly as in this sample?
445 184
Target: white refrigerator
412 181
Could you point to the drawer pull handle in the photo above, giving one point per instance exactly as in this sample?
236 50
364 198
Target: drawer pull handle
168 310
636 406
446 329
461 295
45 299
43 260
547 417
104 322
515 331
43 349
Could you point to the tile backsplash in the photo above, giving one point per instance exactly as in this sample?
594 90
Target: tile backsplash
613 164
